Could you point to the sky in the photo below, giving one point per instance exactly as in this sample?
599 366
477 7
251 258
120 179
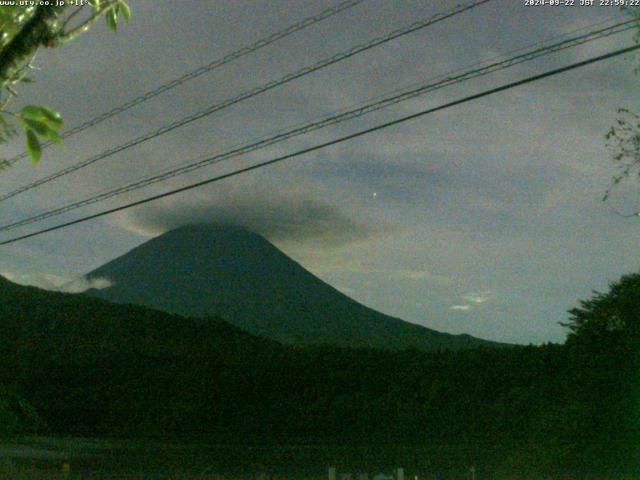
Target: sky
485 218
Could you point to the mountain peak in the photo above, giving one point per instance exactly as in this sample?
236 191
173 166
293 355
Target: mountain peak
227 271
210 228
213 233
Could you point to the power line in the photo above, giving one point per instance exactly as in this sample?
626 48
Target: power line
332 142
331 120
291 29
250 93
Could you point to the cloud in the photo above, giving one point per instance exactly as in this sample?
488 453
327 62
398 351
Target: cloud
472 192
283 217
463 308
41 280
477 297
81 284
474 299
56 283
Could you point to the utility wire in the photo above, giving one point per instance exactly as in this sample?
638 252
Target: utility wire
291 29
320 146
331 120
249 94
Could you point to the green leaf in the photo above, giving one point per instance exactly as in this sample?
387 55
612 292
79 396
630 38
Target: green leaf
125 10
55 137
112 18
40 128
42 114
33 146
95 4
32 111
53 118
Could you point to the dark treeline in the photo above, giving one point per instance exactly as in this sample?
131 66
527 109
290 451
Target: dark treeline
79 366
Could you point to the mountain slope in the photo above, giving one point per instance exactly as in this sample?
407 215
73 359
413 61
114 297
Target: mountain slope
61 326
88 366
205 270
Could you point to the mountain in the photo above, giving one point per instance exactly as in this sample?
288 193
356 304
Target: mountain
232 273
86 365
61 326
73 365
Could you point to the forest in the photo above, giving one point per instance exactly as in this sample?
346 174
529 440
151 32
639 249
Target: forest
78 366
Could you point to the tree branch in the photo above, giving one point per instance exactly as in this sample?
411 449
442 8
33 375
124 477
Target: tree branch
38 31
84 26
71 17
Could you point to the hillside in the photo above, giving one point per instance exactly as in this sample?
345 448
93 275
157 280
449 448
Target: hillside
74 326
88 367
208 270
91 367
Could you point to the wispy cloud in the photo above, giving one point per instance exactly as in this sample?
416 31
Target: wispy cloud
478 297
473 300
56 283
463 308
81 284
279 216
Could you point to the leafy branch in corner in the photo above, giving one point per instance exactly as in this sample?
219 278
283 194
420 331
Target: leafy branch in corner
24 30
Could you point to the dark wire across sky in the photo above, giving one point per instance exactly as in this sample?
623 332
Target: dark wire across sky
193 74
346 138
308 70
446 80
